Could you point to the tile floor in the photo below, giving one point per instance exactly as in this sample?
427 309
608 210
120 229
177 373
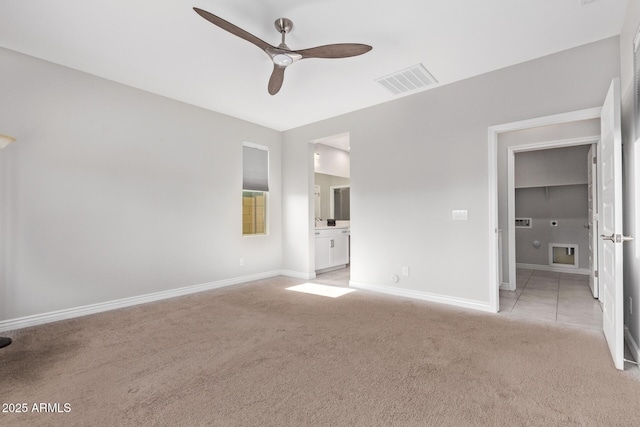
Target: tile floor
556 297
336 277
542 295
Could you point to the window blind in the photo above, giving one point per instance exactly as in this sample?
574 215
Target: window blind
636 81
255 168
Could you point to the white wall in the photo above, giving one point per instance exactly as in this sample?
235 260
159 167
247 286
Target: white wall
298 208
331 161
631 162
111 192
403 193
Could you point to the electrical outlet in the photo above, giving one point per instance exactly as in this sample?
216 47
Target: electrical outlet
241 262
405 271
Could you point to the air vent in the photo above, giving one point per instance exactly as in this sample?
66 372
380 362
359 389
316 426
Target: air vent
409 80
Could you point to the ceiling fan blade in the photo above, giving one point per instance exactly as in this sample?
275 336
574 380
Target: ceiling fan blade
227 26
277 77
341 50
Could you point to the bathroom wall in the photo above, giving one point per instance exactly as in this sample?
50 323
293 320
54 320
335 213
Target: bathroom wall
567 204
331 161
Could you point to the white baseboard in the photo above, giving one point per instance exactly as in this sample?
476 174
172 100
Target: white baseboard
54 316
425 296
298 274
569 270
334 268
505 287
633 345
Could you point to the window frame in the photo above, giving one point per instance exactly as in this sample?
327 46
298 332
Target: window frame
244 191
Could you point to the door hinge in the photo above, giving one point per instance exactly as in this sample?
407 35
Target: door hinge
595 274
595 160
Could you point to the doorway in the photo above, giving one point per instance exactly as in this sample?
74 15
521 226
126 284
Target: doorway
499 164
332 209
609 190
549 230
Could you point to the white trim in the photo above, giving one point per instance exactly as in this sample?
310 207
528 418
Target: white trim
425 296
506 287
632 344
511 195
495 249
569 270
69 313
558 143
298 274
511 217
254 145
332 268
493 132
572 116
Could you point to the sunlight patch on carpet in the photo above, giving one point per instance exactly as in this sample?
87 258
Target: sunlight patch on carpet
322 290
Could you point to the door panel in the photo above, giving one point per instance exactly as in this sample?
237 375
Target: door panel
610 223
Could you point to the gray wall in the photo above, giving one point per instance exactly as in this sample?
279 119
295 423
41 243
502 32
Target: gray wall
540 134
558 166
415 159
111 192
555 187
568 205
630 171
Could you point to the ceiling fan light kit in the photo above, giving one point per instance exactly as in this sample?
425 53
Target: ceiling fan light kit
282 56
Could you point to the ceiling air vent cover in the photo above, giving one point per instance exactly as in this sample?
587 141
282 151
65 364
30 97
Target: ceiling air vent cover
408 80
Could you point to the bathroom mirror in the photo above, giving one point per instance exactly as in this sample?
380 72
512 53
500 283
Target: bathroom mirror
323 188
341 202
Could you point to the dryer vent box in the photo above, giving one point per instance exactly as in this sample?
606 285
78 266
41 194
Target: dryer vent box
523 222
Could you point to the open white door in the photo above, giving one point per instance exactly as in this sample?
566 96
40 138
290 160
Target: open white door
610 223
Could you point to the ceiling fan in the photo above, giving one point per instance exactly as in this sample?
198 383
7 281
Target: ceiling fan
281 55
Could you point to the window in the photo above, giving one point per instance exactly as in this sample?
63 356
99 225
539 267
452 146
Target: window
255 187
636 83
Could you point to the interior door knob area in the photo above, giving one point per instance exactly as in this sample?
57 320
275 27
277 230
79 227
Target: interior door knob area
617 238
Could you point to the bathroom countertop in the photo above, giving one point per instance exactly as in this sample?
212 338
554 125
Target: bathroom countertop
326 227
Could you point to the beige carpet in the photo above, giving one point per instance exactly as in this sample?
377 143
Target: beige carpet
256 355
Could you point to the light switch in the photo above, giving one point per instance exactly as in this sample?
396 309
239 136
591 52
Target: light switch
459 215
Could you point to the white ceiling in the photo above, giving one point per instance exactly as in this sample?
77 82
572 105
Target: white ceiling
164 47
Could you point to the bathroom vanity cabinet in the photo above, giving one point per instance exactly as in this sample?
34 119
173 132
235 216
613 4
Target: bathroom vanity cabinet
332 248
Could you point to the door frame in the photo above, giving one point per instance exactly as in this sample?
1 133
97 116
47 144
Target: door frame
511 191
493 229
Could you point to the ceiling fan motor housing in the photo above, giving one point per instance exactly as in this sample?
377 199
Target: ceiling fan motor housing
283 25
